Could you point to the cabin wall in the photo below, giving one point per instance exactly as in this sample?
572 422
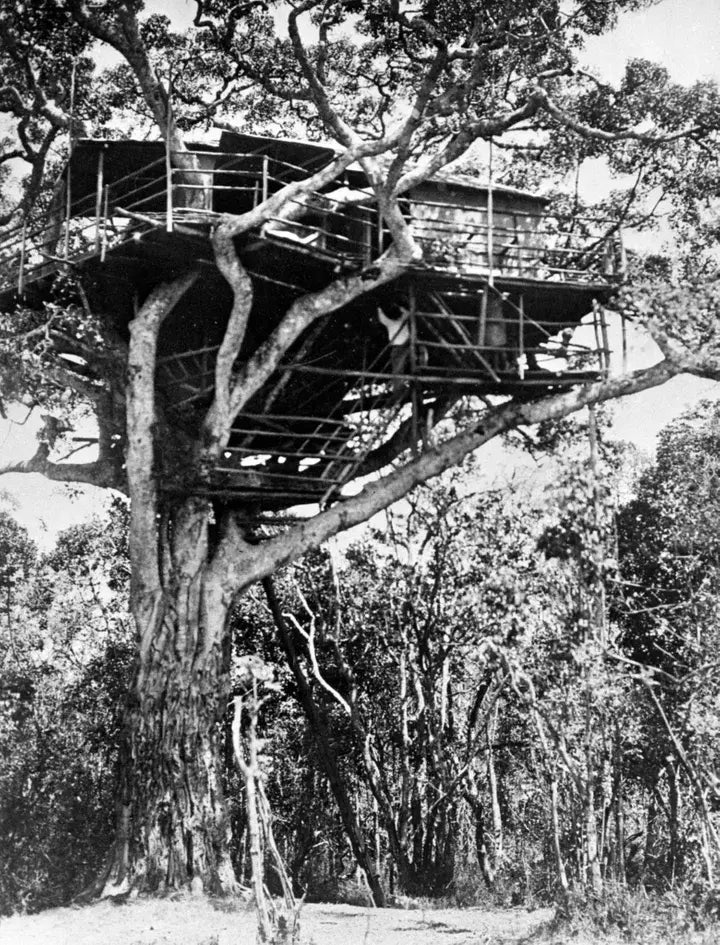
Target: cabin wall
452 225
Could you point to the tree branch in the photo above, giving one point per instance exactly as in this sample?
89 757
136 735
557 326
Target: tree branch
141 419
281 550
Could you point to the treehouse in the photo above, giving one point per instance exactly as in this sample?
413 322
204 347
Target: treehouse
492 309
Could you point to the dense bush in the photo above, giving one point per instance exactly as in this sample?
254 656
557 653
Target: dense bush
66 658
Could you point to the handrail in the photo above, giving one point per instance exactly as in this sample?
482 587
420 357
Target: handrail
453 235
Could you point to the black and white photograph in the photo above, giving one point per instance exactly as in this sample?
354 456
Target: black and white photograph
359 472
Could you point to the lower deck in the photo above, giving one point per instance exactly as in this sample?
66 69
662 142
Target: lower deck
395 358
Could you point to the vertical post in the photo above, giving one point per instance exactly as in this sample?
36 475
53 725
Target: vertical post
623 326
169 223
68 182
21 271
519 236
482 321
521 337
367 237
490 221
68 211
598 340
265 178
605 340
622 263
99 196
413 369
103 245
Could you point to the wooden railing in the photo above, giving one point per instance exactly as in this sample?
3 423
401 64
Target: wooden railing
339 222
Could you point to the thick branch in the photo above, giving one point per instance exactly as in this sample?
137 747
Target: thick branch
625 134
100 473
245 564
218 418
144 330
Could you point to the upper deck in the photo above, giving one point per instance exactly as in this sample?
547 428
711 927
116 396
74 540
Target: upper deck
492 308
115 193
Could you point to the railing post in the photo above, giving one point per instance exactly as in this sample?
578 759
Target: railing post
519 235
367 241
68 210
601 337
490 220
482 321
623 256
106 207
99 196
605 340
413 368
169 186
71 142
265 178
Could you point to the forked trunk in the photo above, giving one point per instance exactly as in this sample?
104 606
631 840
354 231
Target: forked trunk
173 829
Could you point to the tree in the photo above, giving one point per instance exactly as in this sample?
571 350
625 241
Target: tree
66 650
430 84
668 548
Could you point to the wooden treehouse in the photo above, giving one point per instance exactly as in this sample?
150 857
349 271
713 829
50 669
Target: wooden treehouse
492 310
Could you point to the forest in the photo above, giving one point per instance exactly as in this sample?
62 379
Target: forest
495 694
499 696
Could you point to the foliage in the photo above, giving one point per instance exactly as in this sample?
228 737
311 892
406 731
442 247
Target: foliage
410 687
66 658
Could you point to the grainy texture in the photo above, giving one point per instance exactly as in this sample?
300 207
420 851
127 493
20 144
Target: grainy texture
196 922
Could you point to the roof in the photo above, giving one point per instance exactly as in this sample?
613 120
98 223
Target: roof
130 154
301 153
466 182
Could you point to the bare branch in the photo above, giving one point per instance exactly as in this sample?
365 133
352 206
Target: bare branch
626 134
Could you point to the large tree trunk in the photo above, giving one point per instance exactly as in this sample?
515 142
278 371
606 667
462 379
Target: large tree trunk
173 829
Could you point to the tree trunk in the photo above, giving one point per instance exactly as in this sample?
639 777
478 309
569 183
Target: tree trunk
173 829
557 845
594 872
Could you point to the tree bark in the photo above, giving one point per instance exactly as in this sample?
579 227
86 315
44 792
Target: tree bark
173 829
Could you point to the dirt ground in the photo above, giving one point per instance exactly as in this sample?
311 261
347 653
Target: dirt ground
197 922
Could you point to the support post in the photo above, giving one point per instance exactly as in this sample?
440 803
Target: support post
413 368
169 225
598 340
99 197
106 207
68 210
68 183
622 260
605 339
519 236
623 327
482 321
521 337
265 178
490 220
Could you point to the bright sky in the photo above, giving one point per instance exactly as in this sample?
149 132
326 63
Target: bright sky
682 34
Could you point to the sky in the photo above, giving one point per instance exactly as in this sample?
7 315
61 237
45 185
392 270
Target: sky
684 35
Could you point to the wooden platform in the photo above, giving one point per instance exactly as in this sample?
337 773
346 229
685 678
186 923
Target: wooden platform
344 387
